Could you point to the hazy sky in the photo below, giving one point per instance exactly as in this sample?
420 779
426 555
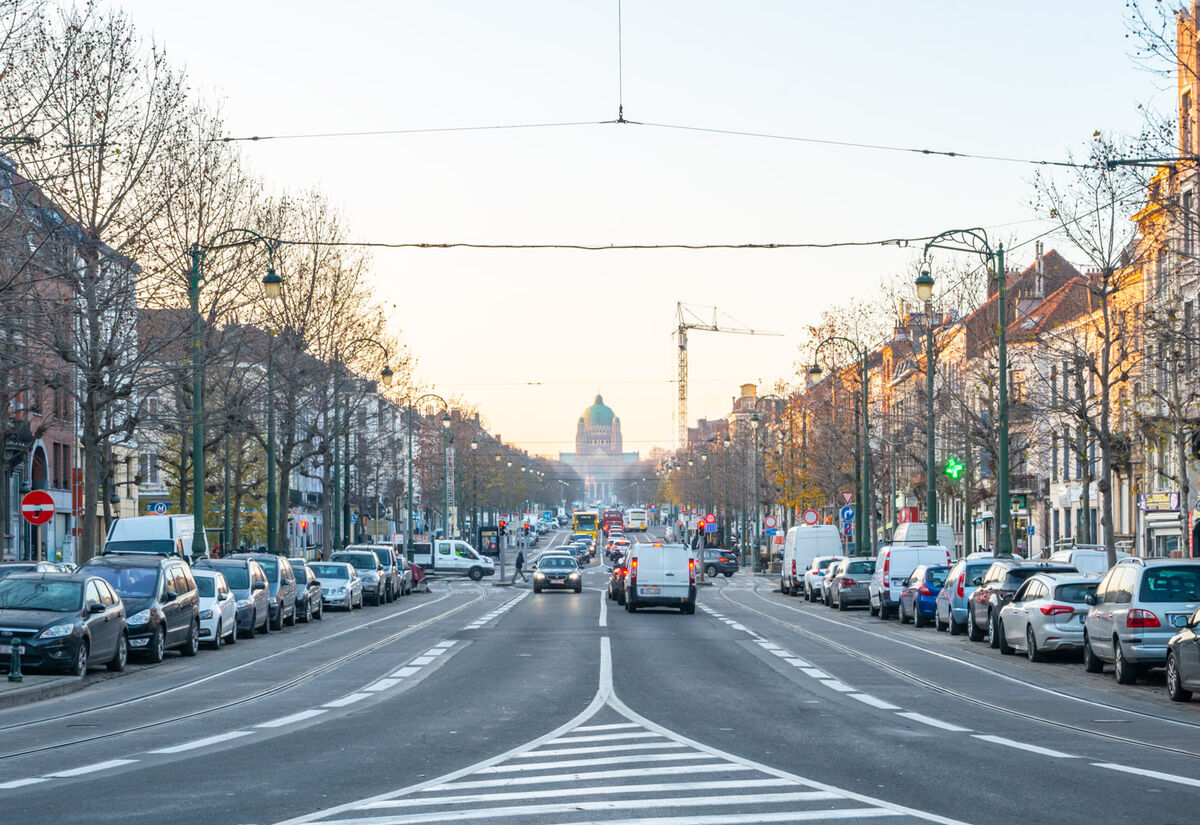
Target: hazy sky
1030 78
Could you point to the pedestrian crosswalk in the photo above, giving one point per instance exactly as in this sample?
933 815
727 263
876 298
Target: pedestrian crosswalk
612 766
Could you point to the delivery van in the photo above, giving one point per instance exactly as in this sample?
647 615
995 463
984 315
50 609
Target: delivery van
915 533
801 545
153 535
893 566
660 575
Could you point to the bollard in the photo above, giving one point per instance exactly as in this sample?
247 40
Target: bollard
14 662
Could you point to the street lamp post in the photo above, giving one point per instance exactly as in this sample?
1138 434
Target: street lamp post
862 543
445 425
754 494
272 286
924 286
976 241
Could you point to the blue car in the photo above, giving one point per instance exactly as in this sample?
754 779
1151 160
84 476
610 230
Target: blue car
918 600
965 575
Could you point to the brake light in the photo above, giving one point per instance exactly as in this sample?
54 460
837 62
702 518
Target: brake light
691 571
1056 609
848 582
962 579
1141 618
925 591
887 563
793 568
633 571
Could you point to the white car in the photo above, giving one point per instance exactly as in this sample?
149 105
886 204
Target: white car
218 608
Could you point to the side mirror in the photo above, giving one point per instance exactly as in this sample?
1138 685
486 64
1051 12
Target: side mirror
1090 598
95 607
975 582
315 582
259 586
226 596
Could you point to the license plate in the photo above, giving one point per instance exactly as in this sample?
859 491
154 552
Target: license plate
649 590
5 649
1177 619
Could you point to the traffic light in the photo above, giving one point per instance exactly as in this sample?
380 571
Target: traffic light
503 527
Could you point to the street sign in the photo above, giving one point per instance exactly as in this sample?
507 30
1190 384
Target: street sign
847 497
770 531
37 507
710 527
1031 529
848 529
847 513
159 508
770 523
711 518
810 517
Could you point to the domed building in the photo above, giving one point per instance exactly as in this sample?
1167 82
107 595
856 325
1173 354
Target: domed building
599 457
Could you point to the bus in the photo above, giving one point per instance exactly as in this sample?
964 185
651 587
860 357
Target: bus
636 519
586 521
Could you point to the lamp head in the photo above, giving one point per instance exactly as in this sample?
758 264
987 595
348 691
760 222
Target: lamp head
474 444
754 420
924 284
272 284
815 370
386 374
446 420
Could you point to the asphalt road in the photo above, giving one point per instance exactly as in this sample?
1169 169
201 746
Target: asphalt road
492 704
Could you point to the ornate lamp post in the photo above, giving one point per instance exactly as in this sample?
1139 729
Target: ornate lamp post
924 285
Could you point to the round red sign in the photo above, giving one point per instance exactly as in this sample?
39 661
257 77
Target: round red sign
711 518
769 522
37 507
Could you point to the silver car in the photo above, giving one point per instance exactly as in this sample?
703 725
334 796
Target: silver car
814 576
848 583
1046 613
340 584
1139 605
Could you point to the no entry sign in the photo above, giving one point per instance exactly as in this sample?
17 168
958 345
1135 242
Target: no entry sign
37 507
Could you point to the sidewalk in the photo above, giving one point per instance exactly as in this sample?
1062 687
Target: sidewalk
36 687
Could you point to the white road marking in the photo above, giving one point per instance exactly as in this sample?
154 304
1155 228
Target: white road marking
622 747
206 741
601 760
933 723
421 661
405 672
1024 746
840 687
382 684
614 726
815 673
349 699
868 699
598 789
603 608
98 766
1165 777
21 783
604 737
287 720
445 644
798 663
586 776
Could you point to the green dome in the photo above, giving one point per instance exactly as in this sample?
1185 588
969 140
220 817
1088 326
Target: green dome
599 414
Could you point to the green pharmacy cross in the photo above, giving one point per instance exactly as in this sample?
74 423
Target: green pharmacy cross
954 467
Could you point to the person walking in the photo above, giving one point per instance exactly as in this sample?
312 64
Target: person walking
517 565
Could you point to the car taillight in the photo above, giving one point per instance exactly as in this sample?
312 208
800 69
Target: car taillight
848 582
962 579
633 571
793 568
925 591
1056 609
691 571
887 563
1141 618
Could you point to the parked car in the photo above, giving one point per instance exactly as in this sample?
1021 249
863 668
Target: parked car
661 575
849 582
1183 661
951 605
1000 582
406 574
7 568
341 586
718 560
616 581
162 605
815 573
251 592
389 575
369 571
308 592
557 572
800 546
64 621
282 584
218 608
1137 608
918 599
1085 559
1045 614
893 566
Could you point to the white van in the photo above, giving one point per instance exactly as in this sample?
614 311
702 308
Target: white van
454 558
892 566
1086 560
917 533
801 545
660 575
153 535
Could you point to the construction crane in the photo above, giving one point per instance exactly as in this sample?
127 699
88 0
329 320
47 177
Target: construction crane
693 316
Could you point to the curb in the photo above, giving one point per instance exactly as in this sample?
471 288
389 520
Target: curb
36 693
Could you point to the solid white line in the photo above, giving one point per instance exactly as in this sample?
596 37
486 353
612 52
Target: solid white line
585 776
548 793
622 746
933 723
1165 777
99 766
614 726
1012 743
604 760
382 684
200 743
405 672
868 699
21 783
349 699
287 720
840 687
604 737
603 608
738 819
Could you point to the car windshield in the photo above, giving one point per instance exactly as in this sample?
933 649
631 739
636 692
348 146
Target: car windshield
301 571
129 582
384 555
38 594
557 563
361 561
861 567
162 546
1074 593
206 586
936 577
330 571
824 563
237 577
1171 584
269 566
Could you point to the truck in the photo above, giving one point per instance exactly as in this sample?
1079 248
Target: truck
611 519
452 557
153 535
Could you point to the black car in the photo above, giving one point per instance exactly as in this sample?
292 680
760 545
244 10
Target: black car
1000 582
64 621
249 585
557 572
162 604
282 582
719 561
616 580
308 592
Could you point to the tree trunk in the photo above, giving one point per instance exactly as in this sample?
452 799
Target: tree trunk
1106 445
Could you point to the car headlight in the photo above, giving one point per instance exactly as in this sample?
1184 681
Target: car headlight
244 603
141 617
336 591
57 631
574 576
539 575
205 614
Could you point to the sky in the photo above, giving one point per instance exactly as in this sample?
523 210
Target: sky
530 336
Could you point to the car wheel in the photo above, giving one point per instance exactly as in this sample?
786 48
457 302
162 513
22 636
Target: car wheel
956 629
276 624
1175 688
993 638
901 615
579 588
117 663
783 587
841 605
1031 648
475 574
80 665
537 589
291 619
1002 640
192 646
1123 669
157 647
217 640
973 631
233 636
308 612
1091 662
319 613
938 624
918 619
729 574
629 606
688 609
250 631
711 571
884 612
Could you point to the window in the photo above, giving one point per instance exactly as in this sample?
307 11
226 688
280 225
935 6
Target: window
92 596
1054 386
1189 238
1066 456
1067 521
148 468
1056 527
1188 321
1054 458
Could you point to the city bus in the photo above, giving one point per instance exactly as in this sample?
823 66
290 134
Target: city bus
636 519
586 521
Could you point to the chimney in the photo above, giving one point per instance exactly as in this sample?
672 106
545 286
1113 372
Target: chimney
1039 259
